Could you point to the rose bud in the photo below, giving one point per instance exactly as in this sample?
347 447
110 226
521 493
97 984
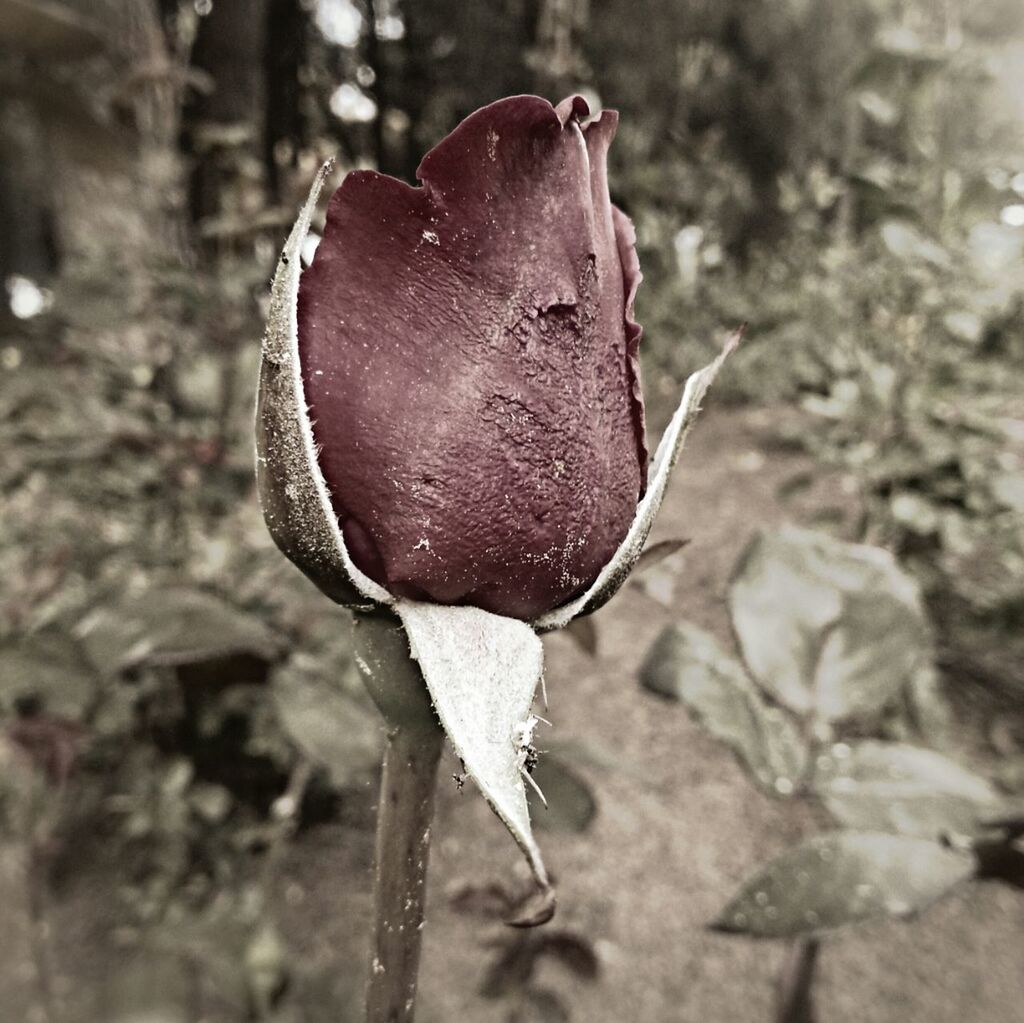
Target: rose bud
450 418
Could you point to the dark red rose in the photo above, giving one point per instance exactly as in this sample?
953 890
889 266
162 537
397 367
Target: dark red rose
468 355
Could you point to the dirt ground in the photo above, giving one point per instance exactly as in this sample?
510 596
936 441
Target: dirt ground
676 831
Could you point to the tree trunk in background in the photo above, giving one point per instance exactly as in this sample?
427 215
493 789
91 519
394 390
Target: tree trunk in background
557 61
283 54
758 137
231 48
116 180
381 92
28 244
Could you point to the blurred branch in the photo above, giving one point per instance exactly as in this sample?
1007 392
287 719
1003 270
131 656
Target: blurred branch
794 1001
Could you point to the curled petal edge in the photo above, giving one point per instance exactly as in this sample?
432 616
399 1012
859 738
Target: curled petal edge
292 491
615 573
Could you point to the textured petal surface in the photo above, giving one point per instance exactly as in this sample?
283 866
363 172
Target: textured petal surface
469 358
293 495
620 564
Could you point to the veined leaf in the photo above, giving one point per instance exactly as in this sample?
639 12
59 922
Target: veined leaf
687 664
842 878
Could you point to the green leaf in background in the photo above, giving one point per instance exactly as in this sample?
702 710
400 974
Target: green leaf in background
829 628
888 786
687 664
571 805
173 627
328 722
842 878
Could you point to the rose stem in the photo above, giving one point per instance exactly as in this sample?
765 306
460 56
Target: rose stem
794 1001
403 846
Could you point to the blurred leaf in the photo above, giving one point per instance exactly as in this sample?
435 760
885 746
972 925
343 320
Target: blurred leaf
880 786
895 51
266 971
686 663
1008 490
216 944
327 723
52 744
173 627
24 798
147 988
539 1005
842 878
881 110
658 583
926 708
996 252
210 802
653 578
490 900
50 670
651 555
511 970
965 325
571 805
1010 773
903 44
829 628
915 512
573 951
514 967
906 242
583 632
47 30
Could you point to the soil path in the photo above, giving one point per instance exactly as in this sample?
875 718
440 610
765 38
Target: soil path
678 827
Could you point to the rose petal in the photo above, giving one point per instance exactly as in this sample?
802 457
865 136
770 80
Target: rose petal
617 570
617 229
293 495
469 367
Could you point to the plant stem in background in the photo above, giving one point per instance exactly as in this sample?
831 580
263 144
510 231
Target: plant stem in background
795 993
403 847
35 886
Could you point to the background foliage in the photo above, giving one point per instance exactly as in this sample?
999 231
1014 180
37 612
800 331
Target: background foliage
847 176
